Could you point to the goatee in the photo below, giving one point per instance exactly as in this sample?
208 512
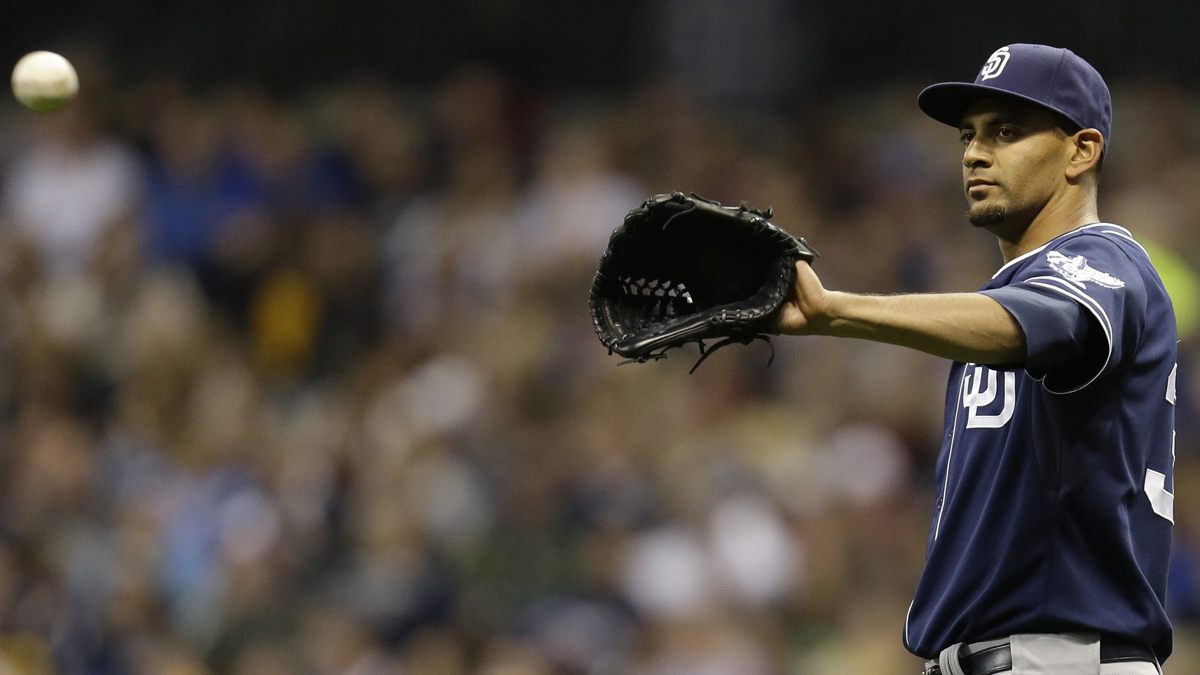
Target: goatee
988 216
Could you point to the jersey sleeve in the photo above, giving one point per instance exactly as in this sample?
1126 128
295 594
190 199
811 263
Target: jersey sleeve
1082 306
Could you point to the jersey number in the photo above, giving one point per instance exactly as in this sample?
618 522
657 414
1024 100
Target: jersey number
1161 501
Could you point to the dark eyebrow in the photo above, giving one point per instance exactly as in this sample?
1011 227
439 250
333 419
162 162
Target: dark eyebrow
997 120
1009 118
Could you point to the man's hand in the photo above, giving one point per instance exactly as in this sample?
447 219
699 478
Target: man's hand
808 310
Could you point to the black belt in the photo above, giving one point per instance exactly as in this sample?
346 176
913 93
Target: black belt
998 658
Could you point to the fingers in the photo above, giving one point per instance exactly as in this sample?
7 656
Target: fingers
791 317
807 307
807 282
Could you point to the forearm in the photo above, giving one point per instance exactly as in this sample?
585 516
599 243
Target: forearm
968 327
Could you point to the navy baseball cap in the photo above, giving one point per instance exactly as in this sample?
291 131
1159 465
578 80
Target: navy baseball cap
1049 77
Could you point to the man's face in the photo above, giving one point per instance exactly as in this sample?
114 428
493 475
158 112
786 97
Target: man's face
1014 158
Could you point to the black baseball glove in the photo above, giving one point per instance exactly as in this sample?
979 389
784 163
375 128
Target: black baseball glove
685 269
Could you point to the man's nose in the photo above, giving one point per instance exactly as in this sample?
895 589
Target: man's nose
976 155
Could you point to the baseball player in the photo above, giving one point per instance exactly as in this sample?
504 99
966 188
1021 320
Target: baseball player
1048 546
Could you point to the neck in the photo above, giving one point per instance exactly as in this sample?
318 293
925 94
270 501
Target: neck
1058 216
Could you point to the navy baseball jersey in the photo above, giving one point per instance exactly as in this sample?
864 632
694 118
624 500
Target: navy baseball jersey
1054 481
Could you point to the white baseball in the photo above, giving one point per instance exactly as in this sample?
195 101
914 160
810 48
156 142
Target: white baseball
44 81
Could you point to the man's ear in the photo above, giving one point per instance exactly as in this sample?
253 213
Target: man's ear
1089 145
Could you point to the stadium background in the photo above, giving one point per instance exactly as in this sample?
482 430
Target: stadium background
296 376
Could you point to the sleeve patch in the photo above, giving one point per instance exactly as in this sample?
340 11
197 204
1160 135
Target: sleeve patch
1077 270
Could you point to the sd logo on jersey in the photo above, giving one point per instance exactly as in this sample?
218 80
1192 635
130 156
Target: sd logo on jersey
981 389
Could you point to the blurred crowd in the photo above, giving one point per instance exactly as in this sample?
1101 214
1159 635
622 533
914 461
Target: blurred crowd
309 387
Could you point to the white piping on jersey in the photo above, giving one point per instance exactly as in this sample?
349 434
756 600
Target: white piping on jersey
949 456
906 616
1019 258
1126 235
1079 296
1023 256
1093 307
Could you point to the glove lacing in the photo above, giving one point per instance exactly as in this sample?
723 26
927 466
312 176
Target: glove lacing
705 353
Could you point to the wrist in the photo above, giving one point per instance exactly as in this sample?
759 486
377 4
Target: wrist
832 316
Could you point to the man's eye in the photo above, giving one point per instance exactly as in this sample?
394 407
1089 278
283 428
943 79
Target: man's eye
966 138
1005 132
